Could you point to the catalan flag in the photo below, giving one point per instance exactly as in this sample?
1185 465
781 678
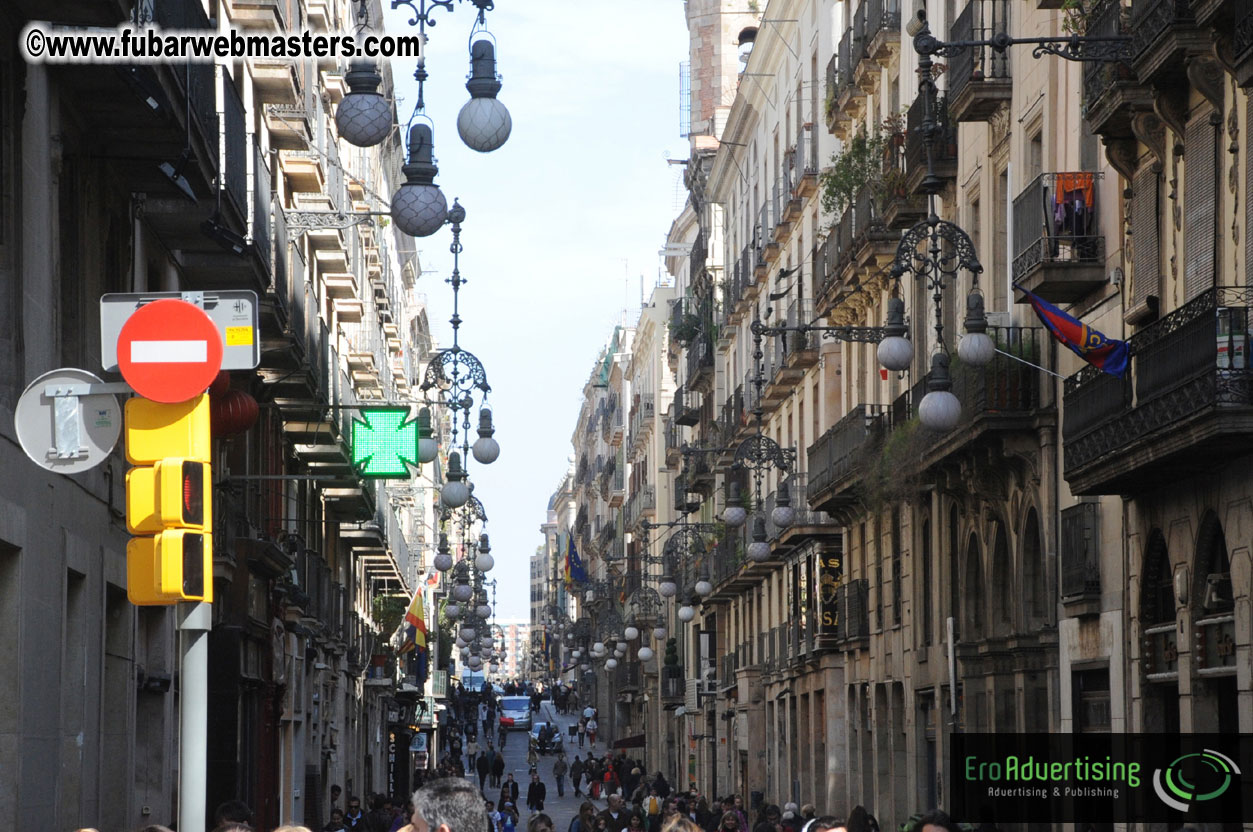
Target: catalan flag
1106 354
411 634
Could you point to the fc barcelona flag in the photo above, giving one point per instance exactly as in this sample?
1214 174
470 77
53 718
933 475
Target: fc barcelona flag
1105 354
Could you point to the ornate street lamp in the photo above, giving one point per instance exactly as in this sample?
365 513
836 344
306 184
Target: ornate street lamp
935 251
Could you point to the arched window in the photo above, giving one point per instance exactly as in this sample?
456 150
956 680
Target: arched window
972 592
1002 581
1211 593
1036 589
1157 591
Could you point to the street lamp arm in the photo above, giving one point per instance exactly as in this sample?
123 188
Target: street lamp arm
1081 48
848 334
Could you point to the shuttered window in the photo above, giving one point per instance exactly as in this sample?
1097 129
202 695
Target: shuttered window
1145 225
1199 196
1248 196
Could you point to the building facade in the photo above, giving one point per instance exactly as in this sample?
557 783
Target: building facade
1069 557
201 178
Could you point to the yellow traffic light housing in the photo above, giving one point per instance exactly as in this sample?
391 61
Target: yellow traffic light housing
170 567
169 496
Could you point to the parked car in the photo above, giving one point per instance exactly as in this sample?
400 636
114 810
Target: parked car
515 712
555 743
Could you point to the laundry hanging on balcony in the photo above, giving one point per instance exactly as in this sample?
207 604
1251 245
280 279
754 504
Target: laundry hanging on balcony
1074 213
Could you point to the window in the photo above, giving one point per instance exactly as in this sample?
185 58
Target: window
1145 246
926 590
897 588
1090 700
1035 157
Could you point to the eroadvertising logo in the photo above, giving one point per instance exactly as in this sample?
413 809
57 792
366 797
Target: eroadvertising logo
1102 778
1217 773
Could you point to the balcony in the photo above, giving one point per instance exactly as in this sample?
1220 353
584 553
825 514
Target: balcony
1233 17
899 207
768 247
877 25
304 170
849 99
808 523
873 245
804 164
643 412
1059 252
1081 556
1003 397
617 424
978 78
826 271
883 31
700 362
641 504
1111 93
1163 34
837 461
1184 408
852 626
832 116
787 208
943 154
262 15
686 408
674 441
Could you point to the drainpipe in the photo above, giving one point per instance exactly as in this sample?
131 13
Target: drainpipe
139 250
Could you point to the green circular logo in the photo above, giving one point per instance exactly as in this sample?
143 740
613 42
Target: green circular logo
1194 778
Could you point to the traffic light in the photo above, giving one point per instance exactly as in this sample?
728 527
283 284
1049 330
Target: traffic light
169 502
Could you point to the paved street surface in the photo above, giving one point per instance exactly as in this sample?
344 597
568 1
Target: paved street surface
561 809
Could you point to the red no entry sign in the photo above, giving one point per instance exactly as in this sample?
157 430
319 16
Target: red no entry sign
169 351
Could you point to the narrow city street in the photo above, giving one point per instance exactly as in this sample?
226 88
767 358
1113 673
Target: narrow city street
561 809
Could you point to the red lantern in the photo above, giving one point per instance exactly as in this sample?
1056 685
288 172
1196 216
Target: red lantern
235 412
220 384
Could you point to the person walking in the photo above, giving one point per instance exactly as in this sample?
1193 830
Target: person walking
510 790
591 732
535 794
498 769
582 730
576 774
502 734
484 767
559 773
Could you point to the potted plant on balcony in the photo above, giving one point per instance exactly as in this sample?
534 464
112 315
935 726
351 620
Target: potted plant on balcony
687 329
860 162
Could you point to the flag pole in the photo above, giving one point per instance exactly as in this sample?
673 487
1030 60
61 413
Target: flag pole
1029 364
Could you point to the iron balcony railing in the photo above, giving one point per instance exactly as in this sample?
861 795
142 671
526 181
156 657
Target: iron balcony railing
259 224
727 667
1105 19
1151 18
642 413
858 42
832 458
980 20
826 265
732 416
766 218
1055 221
852 599
882 16
1193 359
642 500
700 251
235 141
804 157
700 358
197 80
798 483
847 60
944 151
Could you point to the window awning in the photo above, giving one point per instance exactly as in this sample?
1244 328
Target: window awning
636 741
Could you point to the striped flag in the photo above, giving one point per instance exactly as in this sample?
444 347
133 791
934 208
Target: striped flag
411 634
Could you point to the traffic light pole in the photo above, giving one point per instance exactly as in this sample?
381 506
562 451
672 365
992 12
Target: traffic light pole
194 622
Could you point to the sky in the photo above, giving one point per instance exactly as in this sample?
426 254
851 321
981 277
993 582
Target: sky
561 223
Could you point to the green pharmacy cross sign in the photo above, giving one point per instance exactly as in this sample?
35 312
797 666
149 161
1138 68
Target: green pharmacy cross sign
384 444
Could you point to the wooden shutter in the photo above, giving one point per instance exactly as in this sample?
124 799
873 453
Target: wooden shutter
1145 226
1199 210
1248 196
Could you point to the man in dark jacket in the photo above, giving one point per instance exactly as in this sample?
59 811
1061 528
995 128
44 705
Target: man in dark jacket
576 774
616 816
498 769
535 794
512 786
483 766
